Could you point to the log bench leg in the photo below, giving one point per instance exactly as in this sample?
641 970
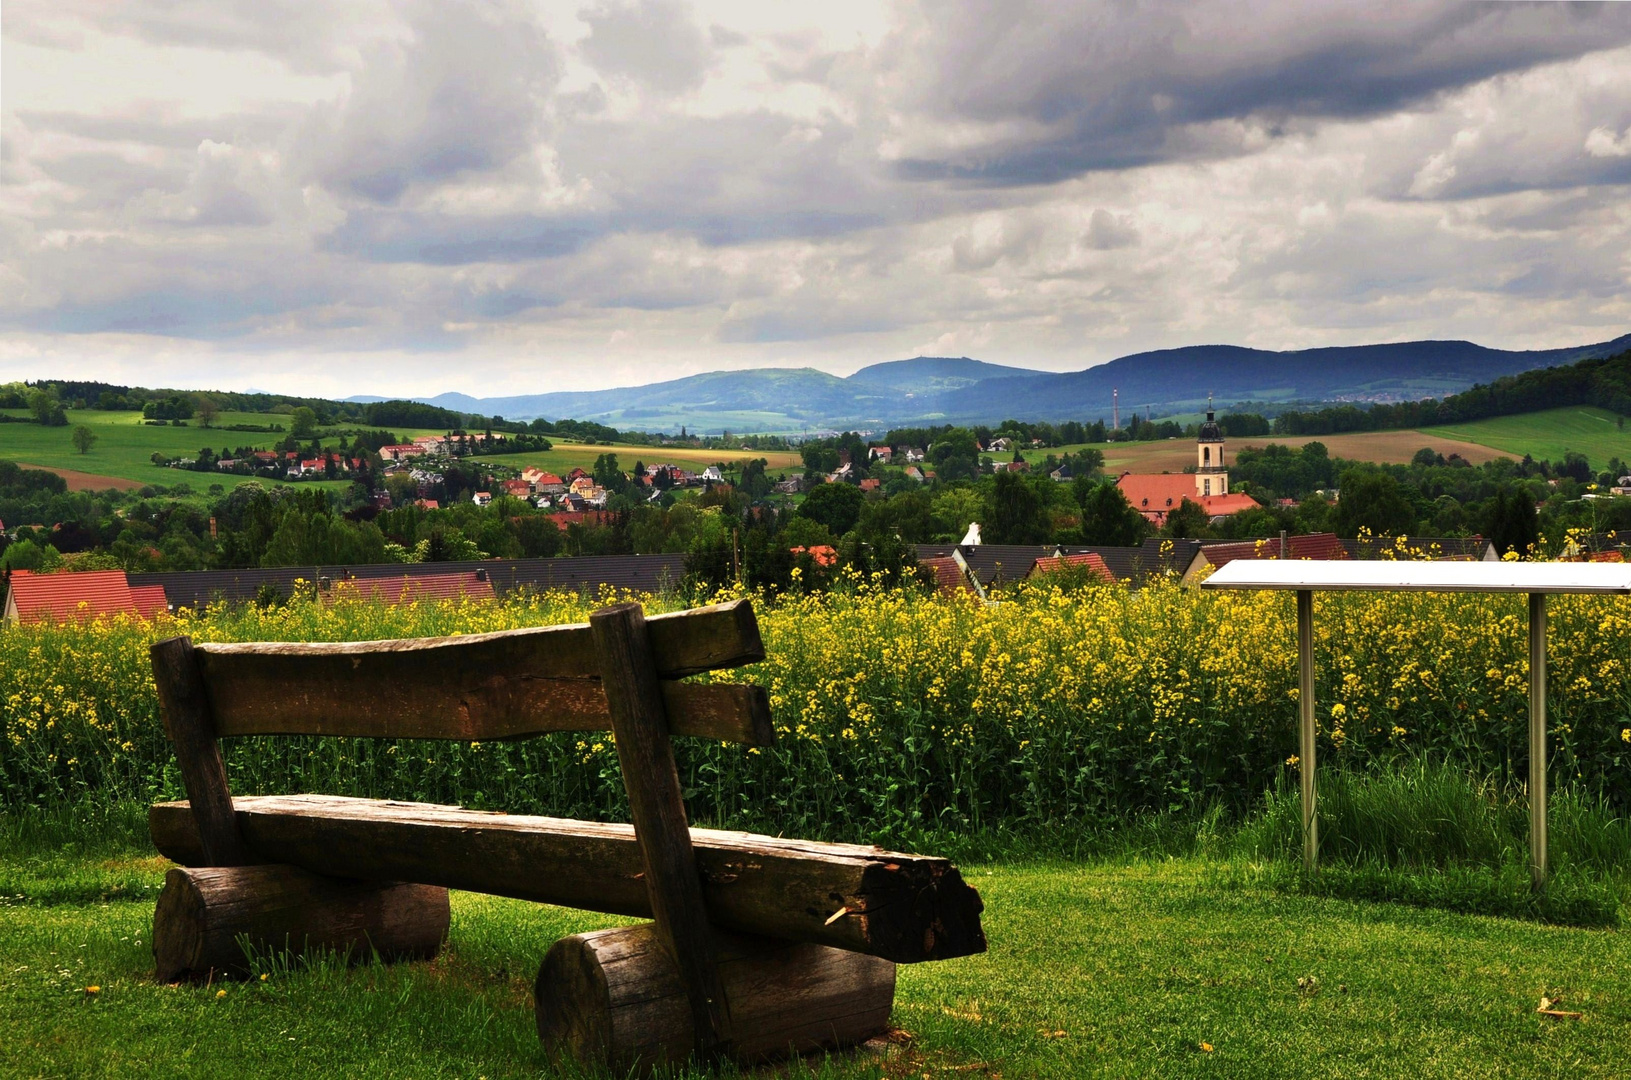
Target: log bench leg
613 998
203 912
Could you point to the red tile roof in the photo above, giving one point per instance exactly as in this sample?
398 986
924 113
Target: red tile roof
1312 546
871 484
564 518
1089 559
85 595
1156 494
948 575
149 600
1224 505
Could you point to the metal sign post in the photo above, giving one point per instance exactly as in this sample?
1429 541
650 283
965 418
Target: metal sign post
1534 579
1305 714
1537 738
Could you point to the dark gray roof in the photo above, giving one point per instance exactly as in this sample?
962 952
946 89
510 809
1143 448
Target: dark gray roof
199 588
1445 547
999 563
1133 564
993 562
644 573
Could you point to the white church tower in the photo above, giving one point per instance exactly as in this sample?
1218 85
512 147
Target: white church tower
1211 477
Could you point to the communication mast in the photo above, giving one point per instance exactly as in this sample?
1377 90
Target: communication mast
1115 408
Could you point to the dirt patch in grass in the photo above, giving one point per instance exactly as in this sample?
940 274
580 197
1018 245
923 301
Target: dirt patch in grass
84 481
137 864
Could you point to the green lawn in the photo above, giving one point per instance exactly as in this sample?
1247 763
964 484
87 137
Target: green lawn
125 446
1100 968
1549 435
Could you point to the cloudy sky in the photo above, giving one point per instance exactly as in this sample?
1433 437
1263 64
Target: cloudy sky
503 196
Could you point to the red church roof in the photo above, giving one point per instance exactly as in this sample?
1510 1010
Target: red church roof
1157 494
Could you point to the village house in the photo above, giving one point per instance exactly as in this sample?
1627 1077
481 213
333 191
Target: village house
1090 561
401 452
482 498
32 597
885 454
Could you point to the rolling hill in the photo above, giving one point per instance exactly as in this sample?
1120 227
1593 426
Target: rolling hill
962 390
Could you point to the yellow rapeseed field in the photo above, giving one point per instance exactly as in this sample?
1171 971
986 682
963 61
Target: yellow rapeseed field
897 709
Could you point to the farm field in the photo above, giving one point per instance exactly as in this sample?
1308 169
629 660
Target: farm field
124 448
1387 447
1175 967
562 457
1550 434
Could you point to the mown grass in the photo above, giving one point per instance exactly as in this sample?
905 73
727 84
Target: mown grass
1549 434
1178 945
125 446
1129 966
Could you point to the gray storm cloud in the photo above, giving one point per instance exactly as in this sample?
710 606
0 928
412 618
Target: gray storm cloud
568 197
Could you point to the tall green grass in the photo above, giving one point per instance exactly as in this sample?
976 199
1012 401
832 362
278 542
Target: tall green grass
1430 833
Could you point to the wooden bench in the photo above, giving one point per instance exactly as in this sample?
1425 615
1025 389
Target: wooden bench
759 946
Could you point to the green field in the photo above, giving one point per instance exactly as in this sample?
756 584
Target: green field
1170 967
1549 435
125 446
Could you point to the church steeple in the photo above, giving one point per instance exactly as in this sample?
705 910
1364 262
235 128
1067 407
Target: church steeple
1211 477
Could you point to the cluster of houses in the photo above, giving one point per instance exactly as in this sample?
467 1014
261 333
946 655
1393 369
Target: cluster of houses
578 491
970 569
437 446
976 569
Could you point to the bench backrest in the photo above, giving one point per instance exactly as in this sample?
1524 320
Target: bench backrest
483 687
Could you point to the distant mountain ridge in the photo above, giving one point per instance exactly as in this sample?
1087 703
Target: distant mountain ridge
943 389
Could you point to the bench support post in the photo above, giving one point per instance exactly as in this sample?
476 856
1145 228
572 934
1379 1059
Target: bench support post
646 756
185 703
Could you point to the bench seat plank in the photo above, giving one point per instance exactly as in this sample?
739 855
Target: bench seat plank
905 908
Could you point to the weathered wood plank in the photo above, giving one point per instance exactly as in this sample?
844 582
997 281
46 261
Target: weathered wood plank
628 671
510 706
481 686
902 907
204 916
185 706
613 998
